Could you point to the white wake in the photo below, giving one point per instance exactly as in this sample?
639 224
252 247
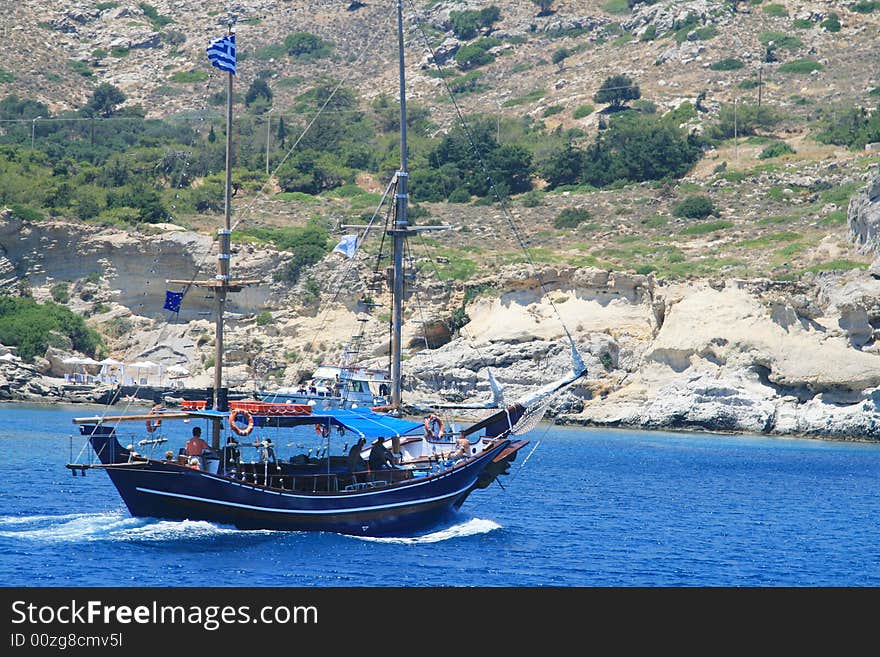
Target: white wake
85 527
472 527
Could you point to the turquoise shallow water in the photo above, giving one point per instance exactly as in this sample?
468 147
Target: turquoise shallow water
581 507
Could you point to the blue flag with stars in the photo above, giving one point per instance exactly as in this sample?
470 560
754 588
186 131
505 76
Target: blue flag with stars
172 301
221 52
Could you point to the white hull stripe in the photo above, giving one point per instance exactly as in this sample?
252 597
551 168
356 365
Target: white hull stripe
298 511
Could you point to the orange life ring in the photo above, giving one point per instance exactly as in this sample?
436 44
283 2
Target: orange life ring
433 427
322 430
233 416
153 424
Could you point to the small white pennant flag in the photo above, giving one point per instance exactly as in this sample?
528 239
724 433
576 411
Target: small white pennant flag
347 246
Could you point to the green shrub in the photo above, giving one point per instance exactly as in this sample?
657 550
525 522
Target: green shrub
780 40
728 64
460 195
832 23
81 68
616 90
621 7
553 109
306 46
849 126
775 150
837 265
467 83
571 218
706 228
307 246
272 51
582 111
800 66
467 24
193 75
26 213
264 319
705 33
530 97
560 55
649 34
471 56
864 7
33 327
532 199
60 292
694 207
152 13
776 10
743 120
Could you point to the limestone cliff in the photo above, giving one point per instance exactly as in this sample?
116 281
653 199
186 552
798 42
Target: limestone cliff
797 357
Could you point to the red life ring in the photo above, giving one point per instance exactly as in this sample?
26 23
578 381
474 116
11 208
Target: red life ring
433 427
153 424
233 417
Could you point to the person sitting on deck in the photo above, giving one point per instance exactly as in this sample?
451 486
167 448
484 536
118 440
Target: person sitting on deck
195 449
462 448
380 456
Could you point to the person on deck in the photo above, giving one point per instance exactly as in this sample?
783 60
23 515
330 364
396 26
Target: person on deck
380 456
355 460
195 445
462 448
267 451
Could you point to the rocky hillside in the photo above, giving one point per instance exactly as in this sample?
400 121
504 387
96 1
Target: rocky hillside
144 47
761 317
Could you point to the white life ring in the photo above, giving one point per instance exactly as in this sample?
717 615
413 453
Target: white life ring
433 427
247 416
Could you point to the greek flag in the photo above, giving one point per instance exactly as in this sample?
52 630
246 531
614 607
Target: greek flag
221 52
347 246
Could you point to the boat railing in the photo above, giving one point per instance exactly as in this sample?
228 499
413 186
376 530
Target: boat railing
322 481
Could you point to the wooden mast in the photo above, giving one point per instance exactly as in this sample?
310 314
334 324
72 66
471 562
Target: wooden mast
222 284
401 230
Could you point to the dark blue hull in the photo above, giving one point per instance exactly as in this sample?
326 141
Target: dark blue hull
161 489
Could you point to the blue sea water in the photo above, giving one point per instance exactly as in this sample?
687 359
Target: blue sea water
581 507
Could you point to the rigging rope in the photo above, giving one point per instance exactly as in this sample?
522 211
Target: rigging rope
502 204
243 214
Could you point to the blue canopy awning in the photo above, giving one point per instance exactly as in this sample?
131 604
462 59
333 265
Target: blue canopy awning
367 423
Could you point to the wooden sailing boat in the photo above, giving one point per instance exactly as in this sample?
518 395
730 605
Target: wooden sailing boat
306 492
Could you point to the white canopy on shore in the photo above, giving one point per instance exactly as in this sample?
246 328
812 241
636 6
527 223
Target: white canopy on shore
144 364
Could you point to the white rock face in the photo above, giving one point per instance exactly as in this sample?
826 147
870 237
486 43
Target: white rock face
751 356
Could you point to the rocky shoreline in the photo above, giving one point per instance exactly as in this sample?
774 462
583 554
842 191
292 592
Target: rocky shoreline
787 358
